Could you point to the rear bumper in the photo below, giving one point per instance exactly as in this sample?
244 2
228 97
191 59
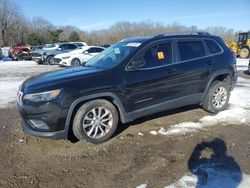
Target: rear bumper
27 128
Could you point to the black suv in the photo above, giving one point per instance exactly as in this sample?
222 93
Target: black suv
133 78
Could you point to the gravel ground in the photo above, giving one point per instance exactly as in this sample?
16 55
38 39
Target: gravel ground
139 155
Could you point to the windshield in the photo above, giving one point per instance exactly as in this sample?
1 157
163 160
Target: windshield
242 37
113 55
50 45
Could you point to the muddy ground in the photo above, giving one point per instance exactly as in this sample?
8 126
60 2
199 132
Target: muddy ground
127 160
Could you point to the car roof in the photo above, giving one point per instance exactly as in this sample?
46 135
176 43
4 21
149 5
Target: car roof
169 35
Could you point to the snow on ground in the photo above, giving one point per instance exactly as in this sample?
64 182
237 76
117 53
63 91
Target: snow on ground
237 113
12 74
216 179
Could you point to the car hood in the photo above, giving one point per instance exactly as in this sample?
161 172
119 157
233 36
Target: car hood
56 79
74 52
38 51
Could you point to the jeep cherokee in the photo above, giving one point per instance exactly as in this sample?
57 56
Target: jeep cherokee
134 78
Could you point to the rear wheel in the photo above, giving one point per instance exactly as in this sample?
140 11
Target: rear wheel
217 97
95 121
244 53
75 62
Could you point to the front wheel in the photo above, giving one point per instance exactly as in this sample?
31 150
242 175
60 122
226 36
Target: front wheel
217 97
50 60
75 62
95 121
244 53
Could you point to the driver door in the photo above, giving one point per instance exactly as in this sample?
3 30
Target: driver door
150 84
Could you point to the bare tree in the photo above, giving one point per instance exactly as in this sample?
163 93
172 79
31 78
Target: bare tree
10 14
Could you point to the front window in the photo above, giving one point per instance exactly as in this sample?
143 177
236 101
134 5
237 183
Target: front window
113 55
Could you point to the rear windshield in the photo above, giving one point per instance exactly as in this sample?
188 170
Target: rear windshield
212 46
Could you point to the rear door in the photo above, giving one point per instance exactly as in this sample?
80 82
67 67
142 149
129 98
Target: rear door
194 65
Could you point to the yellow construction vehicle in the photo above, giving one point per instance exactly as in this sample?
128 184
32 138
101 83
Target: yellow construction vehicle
242 46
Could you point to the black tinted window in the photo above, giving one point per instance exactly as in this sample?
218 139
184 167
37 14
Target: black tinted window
212 46
191 50
72 46
95 50
98 50
63 46
158 55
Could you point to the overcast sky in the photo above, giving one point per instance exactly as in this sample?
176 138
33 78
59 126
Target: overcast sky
99 14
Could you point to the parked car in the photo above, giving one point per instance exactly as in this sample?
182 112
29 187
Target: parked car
79 44
136 77
20 53
6 51
105 45
77 57
48 52
1 54
35 48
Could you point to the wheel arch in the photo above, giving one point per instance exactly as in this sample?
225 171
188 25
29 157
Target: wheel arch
80 101
224 76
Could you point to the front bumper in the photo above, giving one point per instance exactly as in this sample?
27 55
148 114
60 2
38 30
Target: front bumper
27 128
44 120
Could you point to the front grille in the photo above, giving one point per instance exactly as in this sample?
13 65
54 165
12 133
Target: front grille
36 55
57 60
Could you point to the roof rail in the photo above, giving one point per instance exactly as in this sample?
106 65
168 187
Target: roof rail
181 33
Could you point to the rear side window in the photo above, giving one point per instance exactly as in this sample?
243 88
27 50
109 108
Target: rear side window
191 50
212 46
72 46
158 55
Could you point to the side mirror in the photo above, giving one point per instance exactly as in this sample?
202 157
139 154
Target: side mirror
135 65
59 49
86 52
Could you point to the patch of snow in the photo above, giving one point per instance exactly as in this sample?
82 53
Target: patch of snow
141 134
216 179
12 74
153 132
142 186
242 64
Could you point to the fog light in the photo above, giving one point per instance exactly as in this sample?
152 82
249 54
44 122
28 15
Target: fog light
39 124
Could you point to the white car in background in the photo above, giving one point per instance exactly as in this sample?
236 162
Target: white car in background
78 56
79 44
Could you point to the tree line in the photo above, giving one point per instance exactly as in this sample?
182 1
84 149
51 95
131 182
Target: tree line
16 29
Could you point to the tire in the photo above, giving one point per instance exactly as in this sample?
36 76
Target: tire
244 53
249 67
75 62
211 102
49 60
92 131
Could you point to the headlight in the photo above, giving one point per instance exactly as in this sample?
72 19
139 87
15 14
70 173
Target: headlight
66 57
42 97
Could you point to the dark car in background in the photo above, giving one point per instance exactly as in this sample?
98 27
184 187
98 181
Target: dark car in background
136 77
